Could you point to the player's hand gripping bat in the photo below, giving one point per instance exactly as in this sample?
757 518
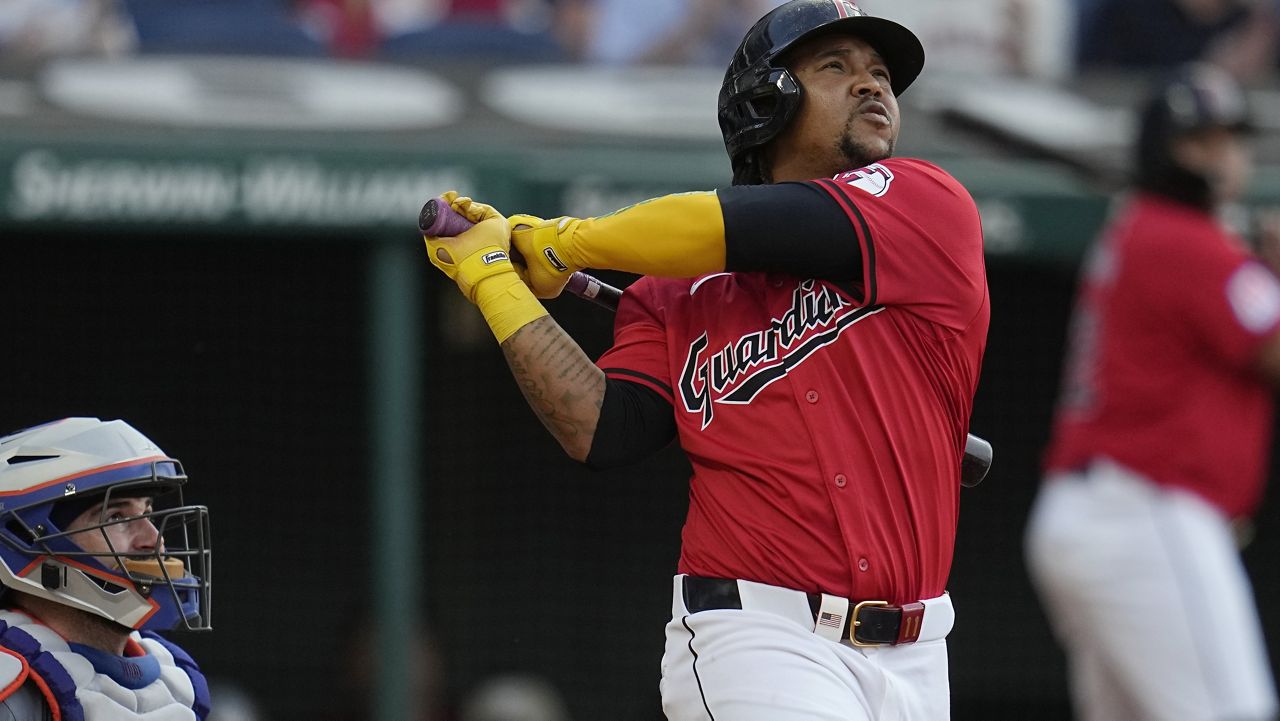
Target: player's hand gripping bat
437 219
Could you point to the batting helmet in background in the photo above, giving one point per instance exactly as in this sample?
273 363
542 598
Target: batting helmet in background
760 96
1196 97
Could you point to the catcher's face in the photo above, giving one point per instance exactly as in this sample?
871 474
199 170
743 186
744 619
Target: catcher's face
848 117
130 531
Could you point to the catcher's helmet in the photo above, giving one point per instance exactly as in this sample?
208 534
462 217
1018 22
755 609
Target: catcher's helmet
759 96
1196 97
54 473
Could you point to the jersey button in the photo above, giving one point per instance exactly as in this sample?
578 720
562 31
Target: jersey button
863 564
811 396
841 481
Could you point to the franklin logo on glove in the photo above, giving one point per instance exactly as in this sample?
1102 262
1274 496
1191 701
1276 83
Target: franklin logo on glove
555 260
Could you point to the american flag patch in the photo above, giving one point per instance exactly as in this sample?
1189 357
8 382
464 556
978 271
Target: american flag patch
830 619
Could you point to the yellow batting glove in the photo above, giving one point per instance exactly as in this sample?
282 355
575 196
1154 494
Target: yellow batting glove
479 261
478 253
548 252
470 209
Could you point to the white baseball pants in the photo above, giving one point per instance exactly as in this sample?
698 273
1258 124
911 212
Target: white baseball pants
1145 590
765 663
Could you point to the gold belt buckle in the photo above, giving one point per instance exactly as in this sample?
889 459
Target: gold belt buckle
853 627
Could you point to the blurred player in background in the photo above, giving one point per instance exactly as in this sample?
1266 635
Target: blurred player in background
813 338
89 579
1162 432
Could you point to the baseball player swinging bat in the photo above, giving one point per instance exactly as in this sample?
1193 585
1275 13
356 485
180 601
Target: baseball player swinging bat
437 219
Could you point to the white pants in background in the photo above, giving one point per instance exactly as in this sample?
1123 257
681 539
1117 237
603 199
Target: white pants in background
765 663
1145 590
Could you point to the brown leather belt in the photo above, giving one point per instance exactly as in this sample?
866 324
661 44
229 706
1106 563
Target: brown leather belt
868 623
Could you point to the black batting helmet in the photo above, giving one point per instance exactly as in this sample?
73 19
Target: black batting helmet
1196 97
759 96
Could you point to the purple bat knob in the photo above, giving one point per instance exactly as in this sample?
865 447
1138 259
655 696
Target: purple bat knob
437 219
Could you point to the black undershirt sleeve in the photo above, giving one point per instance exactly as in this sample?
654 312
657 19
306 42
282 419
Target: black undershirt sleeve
635 421
792 228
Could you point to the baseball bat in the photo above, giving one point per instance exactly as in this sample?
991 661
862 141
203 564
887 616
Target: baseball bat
440 220
976 461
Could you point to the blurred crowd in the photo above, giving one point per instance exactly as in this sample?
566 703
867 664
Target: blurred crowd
1040 39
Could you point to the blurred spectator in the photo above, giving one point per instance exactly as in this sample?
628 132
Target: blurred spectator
411 29
361 663
1251 50
657 31
248 27
35 29
514 698
356 28
1158 33
230 702
1014 38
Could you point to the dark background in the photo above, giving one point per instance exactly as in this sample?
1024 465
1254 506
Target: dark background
246 360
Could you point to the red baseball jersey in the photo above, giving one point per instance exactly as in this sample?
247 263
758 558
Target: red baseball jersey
1169 320
826 424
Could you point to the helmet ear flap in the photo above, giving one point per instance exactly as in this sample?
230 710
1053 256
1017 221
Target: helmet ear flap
758 113
761 100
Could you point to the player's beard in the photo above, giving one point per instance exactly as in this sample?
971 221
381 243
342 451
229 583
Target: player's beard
858 154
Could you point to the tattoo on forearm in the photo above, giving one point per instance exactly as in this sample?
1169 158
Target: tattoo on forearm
561 384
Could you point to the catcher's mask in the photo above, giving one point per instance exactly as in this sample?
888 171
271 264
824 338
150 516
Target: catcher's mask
52 474
759 96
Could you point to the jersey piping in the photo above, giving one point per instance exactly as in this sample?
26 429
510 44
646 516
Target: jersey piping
640 376
864 233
